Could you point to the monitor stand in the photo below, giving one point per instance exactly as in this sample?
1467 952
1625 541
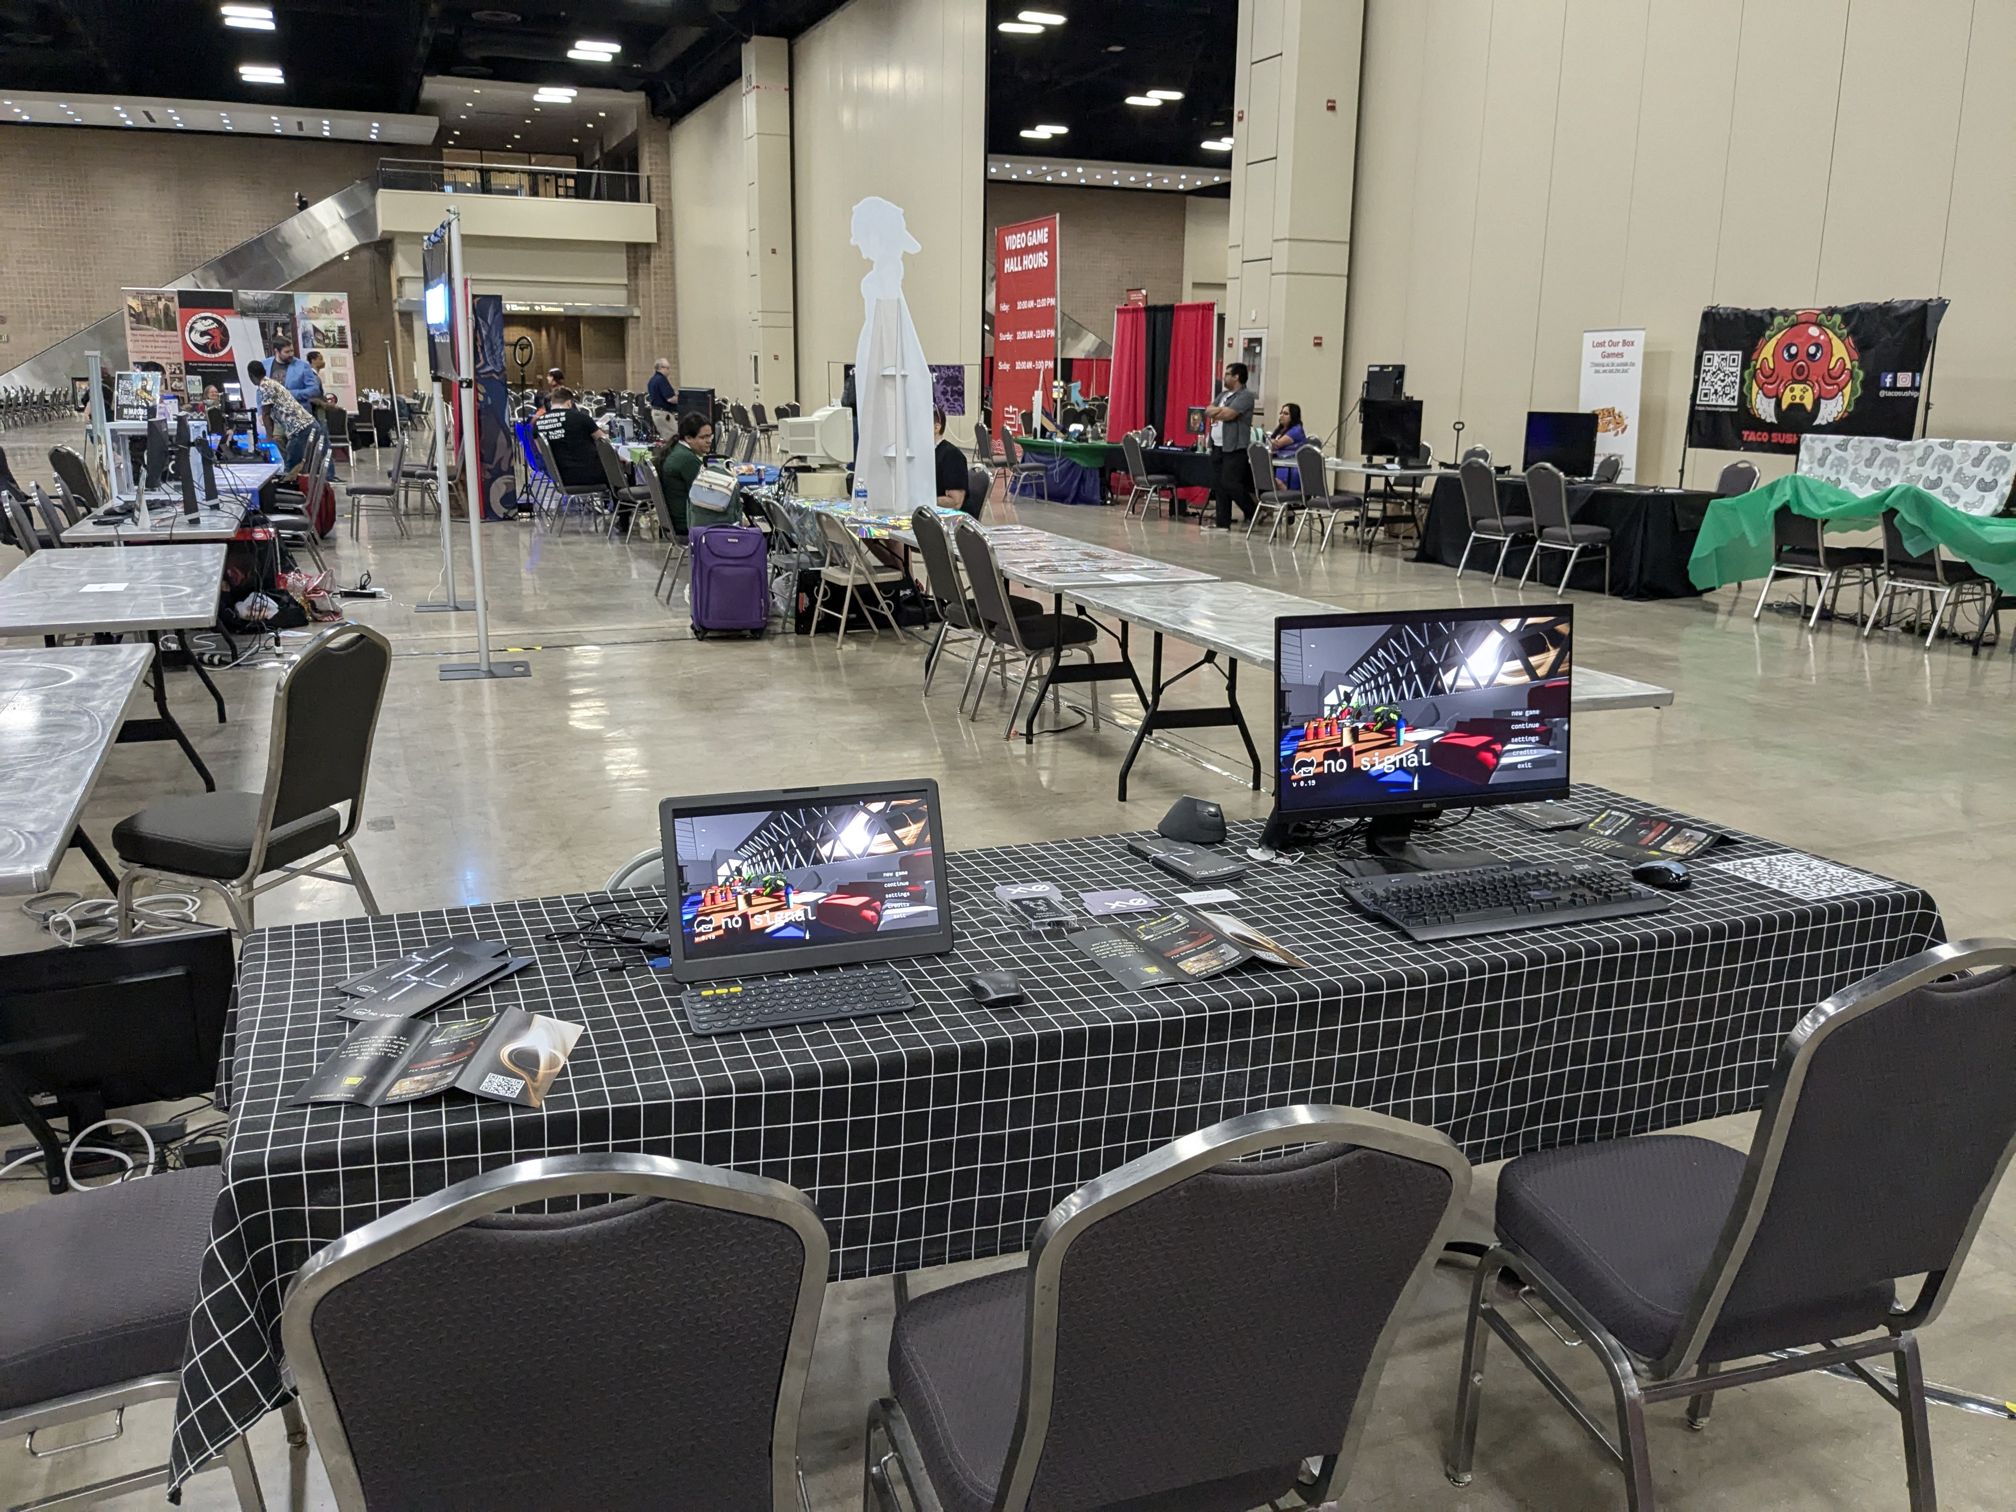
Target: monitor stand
1389 840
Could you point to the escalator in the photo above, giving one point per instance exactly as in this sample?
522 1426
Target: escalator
277 257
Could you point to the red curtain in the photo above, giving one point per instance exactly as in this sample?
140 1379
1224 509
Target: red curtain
1193 331
1125 404
1093 375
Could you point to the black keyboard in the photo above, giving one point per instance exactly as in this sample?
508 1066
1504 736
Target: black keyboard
1447 905
779 1001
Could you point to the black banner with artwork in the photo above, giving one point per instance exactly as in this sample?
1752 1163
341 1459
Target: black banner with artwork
1764 378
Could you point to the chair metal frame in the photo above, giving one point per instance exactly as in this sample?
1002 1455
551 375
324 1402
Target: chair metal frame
1001 646
563 495
678 548
27 532
847 556
613 464
1573 547
1934 584
1237 1138
1015 465
625 875
543 1180
1830 579
390 491
1636 1382
1317 500
1279 503
1505 538
1145 488
238 892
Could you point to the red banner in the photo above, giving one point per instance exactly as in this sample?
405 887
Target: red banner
1025 317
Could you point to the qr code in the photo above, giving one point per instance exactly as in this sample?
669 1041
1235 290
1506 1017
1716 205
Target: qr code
1804 877
1721 379
503 1086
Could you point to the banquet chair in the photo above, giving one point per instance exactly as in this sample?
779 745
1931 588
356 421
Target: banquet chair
564 496
383 496
100 1284
1146 487
1299 1233
849 566
678 545
984 453
325 714
1553 530
1487 521
1800 549
1736 478
1277 503
1035 637
1015 466
289 517
1675 1258
947 584
1318 503
978 480
55 519
24 533
766 428
627 494
795 546
613 1269
1608 467
1953 584
749 443
1475 454
73 476
645 869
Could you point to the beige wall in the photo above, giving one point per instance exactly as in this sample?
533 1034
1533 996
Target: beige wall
1207 226
1529 169
887 97
1109 241
710 255
85 213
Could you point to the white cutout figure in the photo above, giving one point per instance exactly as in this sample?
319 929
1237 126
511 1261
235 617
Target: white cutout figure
892 386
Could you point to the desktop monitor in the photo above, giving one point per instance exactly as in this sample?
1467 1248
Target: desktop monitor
1386 380
1393 716
185 465
1567 438
1389 427
780 881
155 455
694 401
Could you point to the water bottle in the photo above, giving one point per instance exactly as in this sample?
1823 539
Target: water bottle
860 498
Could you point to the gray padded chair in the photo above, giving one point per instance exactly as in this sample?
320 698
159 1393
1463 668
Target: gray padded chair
678 544
645 869
979 482
1189 1328
1318 503
1015 466
1800 548
1607 469
1948 585
562 496
74 474
644 1352
1146 487
956 609
95 1292
1044 635
325 713
289 515
55 519
22 528
381 496
1269 498
1737 478
1480 503
1553 530
630 495
1676 1257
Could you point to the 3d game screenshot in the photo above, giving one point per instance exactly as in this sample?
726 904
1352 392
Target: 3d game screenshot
1429 707
815 874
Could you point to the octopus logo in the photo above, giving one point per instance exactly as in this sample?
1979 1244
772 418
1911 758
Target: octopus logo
1805 361
206 334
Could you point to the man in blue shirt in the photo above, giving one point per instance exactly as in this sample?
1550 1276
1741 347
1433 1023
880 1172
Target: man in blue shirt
659 389
295 375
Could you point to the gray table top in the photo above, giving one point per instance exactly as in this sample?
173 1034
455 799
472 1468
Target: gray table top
1237 620
59 714
1044 560
213 522
1380 469
66 591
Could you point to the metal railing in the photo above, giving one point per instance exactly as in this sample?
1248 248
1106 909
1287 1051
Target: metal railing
512 179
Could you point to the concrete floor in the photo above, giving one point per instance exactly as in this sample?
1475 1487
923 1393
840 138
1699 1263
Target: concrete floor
1874 752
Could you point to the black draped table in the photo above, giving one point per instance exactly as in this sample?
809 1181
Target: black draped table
950 1131
1652 533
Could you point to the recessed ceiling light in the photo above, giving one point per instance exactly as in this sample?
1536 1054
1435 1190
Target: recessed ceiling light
249 23
260 73
577 139
1143 100
601 112
1166 94
1020 28
1115 47
589 44
1223 144
248 12
1054 130
1040 18
1037 136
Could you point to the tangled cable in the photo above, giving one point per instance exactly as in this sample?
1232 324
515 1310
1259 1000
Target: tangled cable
77 920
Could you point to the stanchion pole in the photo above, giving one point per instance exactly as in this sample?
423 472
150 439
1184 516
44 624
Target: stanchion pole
450 603
472 464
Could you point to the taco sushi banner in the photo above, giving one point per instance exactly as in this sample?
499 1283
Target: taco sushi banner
1765 378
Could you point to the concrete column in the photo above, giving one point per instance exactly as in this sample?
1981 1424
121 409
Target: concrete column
1295 146
654 331
766 165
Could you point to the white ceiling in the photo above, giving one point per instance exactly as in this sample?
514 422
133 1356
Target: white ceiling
236 117
1093 175
489 115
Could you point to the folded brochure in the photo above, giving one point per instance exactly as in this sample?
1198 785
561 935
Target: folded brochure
513 1056
1175 945
422 980
1630 835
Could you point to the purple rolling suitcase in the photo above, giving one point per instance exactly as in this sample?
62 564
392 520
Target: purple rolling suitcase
731 580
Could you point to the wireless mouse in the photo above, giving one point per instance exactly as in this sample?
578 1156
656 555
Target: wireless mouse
1669 876
995 989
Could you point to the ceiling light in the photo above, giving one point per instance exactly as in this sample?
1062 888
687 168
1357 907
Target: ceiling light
1142 100
577 139
1166 94
588 44
249 23
601 112
261 73
1020 28
1223 144
1054 130
248 12
1040 18
1037 136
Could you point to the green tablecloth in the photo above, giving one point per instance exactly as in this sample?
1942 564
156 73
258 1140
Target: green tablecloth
1735 541
1093 454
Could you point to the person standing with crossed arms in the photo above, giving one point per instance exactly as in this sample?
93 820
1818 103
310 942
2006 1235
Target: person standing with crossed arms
1231 417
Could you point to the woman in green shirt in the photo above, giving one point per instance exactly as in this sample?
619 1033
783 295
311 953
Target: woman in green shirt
681 464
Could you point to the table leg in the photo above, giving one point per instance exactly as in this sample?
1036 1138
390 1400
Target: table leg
204 678
1059 673
164 726
1154 717
81 841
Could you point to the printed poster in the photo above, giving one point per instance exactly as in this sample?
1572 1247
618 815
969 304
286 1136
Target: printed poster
1025 317
154 336
322 322
208 344
1613 378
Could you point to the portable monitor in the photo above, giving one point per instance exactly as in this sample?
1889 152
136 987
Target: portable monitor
1389 427
1566 438
779 881
1393 717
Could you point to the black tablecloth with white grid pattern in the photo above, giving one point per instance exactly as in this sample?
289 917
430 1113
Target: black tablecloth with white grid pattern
950 1131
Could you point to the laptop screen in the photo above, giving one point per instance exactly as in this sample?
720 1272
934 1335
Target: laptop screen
768 882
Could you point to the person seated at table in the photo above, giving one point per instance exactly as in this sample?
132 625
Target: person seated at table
1287 439
950 463
659 390
681 465
570 435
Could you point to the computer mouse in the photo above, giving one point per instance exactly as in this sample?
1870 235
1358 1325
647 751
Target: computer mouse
995 989
1669 876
